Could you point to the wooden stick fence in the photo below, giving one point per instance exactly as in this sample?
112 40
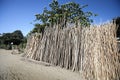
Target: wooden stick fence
92 51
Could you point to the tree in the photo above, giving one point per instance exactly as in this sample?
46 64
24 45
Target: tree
17 37
39 28
117 21
7 38
66 13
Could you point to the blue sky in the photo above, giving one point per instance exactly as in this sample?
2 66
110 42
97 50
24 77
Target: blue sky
19 14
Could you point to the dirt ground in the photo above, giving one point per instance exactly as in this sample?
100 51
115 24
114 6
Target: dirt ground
15 67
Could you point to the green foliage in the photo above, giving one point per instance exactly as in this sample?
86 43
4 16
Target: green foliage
17 37
22 45
62 14
7 38
66 13
17 34
39 28
117 21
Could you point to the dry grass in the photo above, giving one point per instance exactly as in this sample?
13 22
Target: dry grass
92 51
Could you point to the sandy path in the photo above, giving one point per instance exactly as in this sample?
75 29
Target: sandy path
13 68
